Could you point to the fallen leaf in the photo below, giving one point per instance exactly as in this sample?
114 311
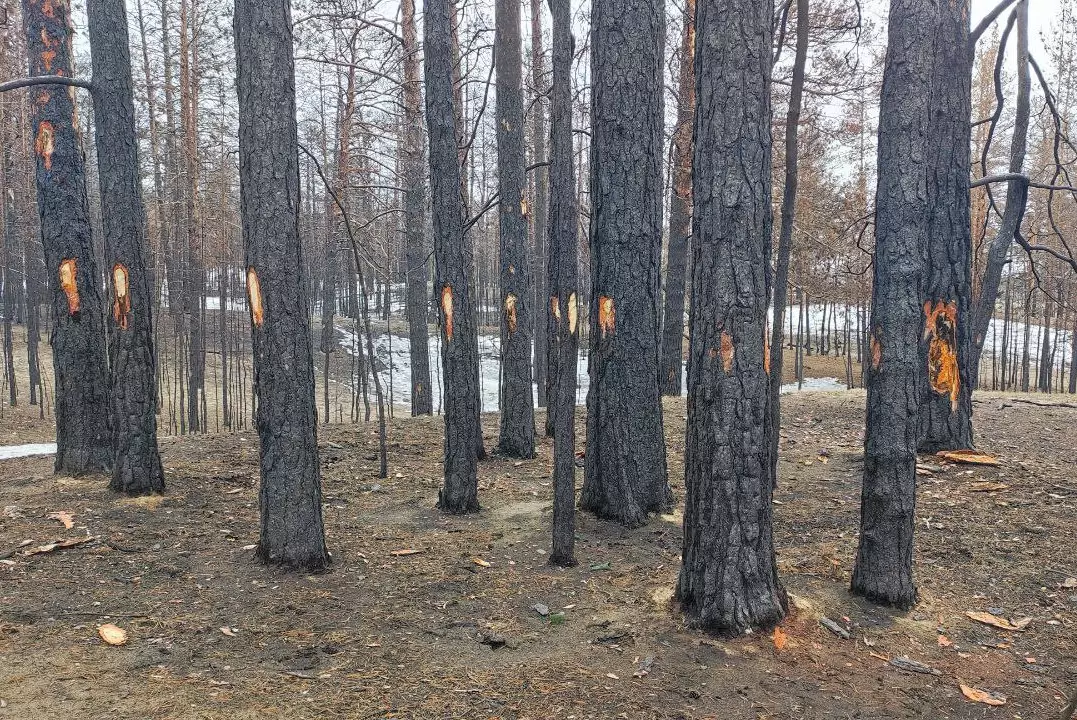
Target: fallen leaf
63 516
600 566
945 641
1001 623
780 639
480 562
57 546
228 631
985 486
969 457
611 676
112 634
983 696
407 552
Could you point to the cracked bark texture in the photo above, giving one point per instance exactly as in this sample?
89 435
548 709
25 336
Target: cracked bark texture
460 342
562 281
517 421
895 375
946 422
291 530
137 467
729 576
418 273
541 179
83 435
680 213
625 476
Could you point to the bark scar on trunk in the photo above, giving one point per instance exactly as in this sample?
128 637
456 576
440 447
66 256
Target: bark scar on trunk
446 309
254 297
940 329
45 143
69 283
510 312
607 315
555 308
121 307
876 351
572 313
728 352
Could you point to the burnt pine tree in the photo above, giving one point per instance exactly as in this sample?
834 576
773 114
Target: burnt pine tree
729 576
541 204
625 476
83 437
460 342
883 570
133 396
517 429
291 531
562 281
417 253
680 212
946 343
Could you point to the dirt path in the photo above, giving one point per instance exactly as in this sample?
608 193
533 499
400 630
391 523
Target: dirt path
437 635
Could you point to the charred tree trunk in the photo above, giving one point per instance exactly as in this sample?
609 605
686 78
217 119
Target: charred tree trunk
729 574
562 273
196 274
83 437
539 212
460 345
626 452
946 344
7 263
883 570
785 232
291 531
133 398
417 251
517 429
671 372
1043 373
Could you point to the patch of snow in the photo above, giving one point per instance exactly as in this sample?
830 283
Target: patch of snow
11 452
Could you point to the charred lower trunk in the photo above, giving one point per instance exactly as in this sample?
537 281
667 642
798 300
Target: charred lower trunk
83 437
729 575
517 422
946 344
625 475
133 389
291 530
883 570
417 250
459 341
562 274
671 372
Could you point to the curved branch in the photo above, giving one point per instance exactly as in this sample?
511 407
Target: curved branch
45 80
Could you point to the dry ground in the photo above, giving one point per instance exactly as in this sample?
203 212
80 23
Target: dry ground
436 635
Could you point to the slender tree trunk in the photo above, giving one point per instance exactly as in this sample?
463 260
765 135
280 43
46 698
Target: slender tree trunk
626 452
133 399
196 277
1073 357
1043 374
83 437
946 344
291 531
785 232
883 570
517 426
539 211
562 271
7 261
1026 344
671 371
729 574
460 345
417 250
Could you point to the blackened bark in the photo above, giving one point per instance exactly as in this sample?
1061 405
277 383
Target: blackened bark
785 233
946 344
671 373
7 264
83 438
883 570
1016 200
562 271
540 177
137 468
626 453
291 531
195 280
417 251
729 576
517 429
460 343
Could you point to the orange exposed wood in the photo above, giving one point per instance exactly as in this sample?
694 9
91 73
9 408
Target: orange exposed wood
254 297
447 310
510 312
728 352
607 315
45 143
940 330
121 306
69 284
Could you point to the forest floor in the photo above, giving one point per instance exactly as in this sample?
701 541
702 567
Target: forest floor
428 616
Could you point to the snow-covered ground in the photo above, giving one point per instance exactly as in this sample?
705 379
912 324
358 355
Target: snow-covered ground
12 452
